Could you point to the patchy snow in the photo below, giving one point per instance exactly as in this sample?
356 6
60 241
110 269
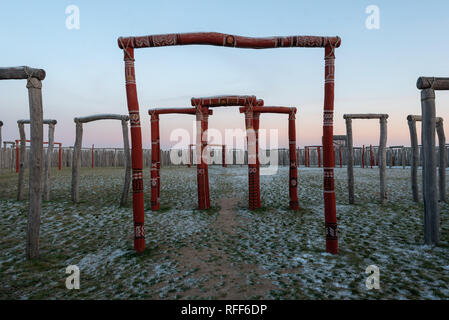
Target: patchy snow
275 244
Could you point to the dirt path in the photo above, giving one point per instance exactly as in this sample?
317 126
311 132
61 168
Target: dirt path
226 279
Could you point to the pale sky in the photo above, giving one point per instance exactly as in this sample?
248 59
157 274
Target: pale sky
376 70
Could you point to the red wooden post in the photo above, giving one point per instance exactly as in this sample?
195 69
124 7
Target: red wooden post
206 161
256 123
17 156
60 157
189 164
392 157
136 151
371 156
200 168
155 203
330 211
223 155
363 156
92 156
293 173
252 161
319 156
339 155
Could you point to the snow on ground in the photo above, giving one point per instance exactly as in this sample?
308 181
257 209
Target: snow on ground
272 253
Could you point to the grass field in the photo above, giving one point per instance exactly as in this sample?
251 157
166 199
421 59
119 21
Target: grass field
226 252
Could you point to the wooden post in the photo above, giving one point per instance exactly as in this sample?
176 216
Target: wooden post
60 157
21 159
34 86
403 157
223 156
363 156
319 156
189 164
383 160
76 162
330 211
17 157
136 151
205 127
339 155
256 124
371 155
200 166
155 151
47 169
127 156
350 160
430 194
93 156
252 161
415 157
293 173
442 159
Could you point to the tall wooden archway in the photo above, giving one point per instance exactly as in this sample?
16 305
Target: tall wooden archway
412 119
156 153
21 158
76 160
226 40
382 153
34 79
254 179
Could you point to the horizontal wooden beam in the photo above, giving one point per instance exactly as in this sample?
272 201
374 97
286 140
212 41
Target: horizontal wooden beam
226 40
270 109
45 121
174 111
17 73
432 82
412 117
366 116
226 101
96 117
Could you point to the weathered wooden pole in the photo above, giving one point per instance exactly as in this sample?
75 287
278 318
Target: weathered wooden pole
17 157
93 155
340 156
223 156
442 159
430 193
60 157
293 173
415 156
319 155
76 162
136 150
350 160
155 151
34 86
403 157
371 155
21 158
383 159
363 156
47 168
127 156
